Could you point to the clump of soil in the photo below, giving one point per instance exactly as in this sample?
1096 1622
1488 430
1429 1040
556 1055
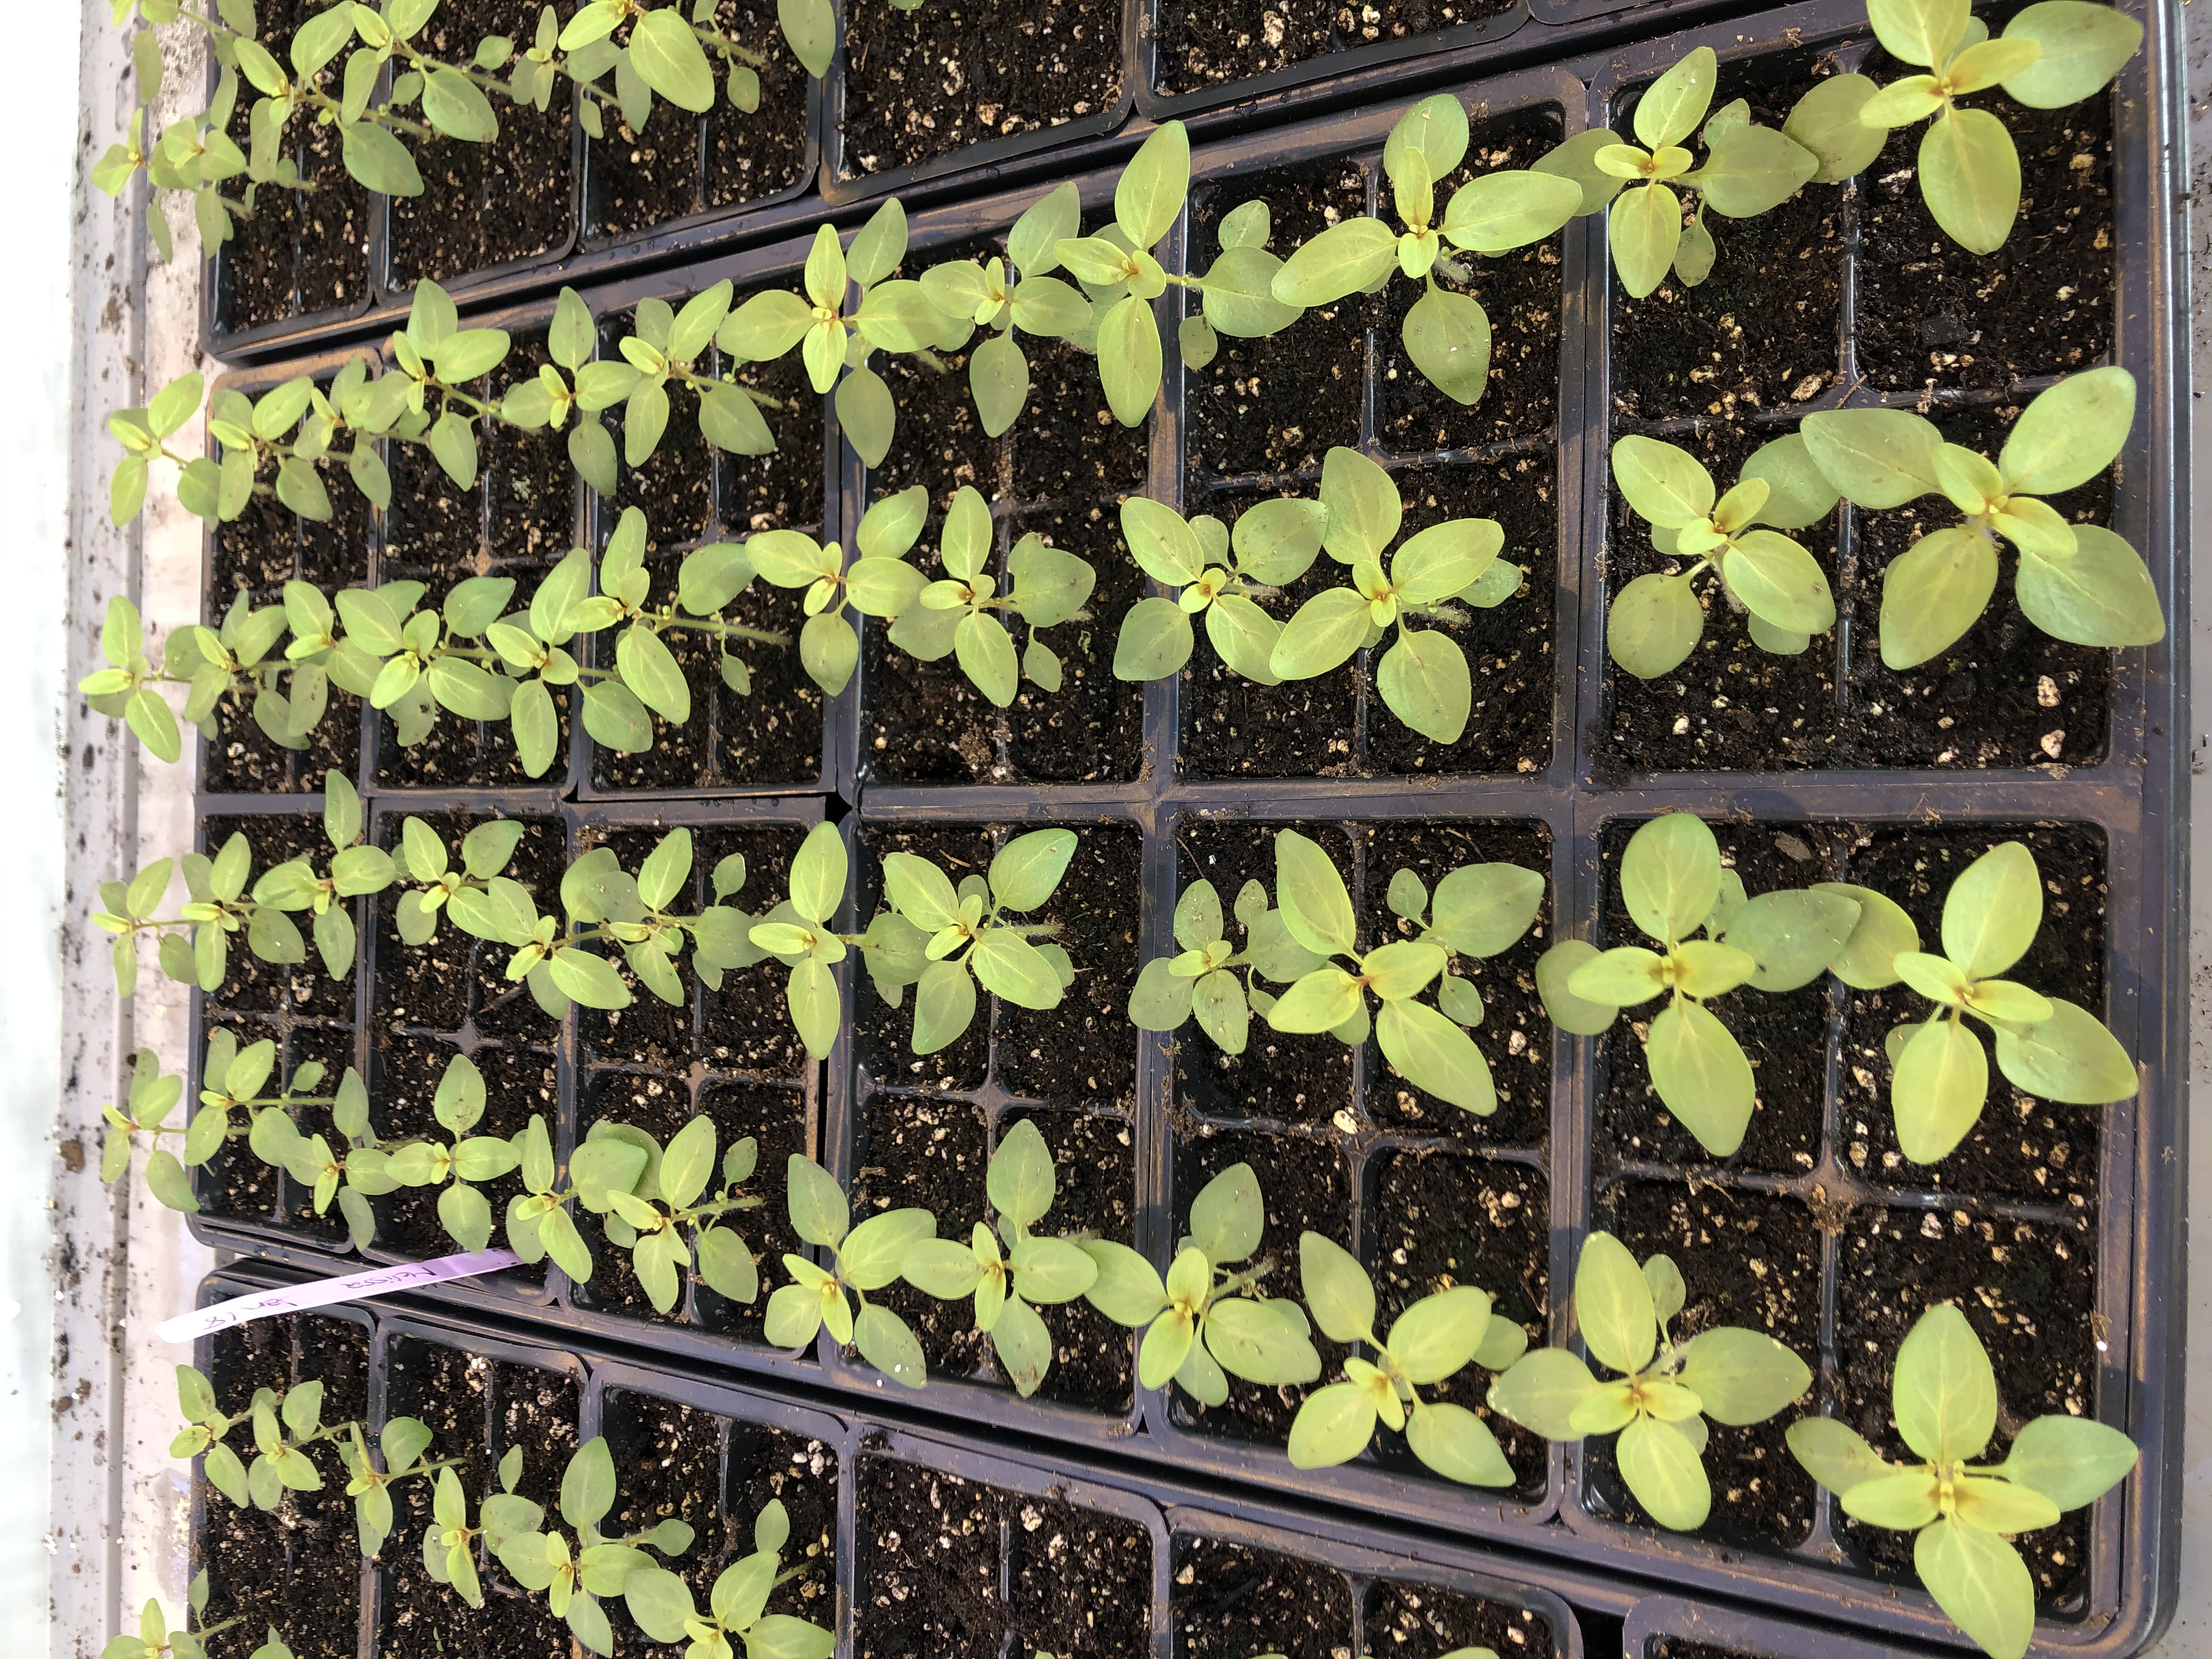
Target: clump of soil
1201 47
924 83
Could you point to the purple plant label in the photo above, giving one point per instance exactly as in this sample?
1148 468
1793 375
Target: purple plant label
353 1287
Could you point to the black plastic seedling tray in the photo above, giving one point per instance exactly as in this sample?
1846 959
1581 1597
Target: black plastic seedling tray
487 1387
1563 803
1670 1627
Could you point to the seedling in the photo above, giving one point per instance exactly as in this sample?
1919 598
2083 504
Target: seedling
878 582
675 1191
2046 1046
1961 1514
230 1080
449 1542
1118 270
1431 1342
1209 1317
2050 55
1656 620
1748 170
231 662
1030 1270
1659 1403
663 54
1202 978
1674 887
1480 910
1027 299
219 906
661 1603
956 615
942 940
1447 332
669 348
2077 583
573 1570
486 851
867 1257
1423 676
605 905
1219 574
453 1168
283 1426
890 316
538 1222
156 1640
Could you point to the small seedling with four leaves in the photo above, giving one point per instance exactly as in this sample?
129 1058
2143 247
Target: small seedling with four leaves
2046 1046
2050 55
867 1257
1424 675
1656 620
1209 1321
1675 887
737 1607
1447 332
2078 582
956 615
1220 574
1202 979
1665 1390
1748 170
1479 910
676 1193
1008 1284
1432 1341
1962 1515
575 1569
942 940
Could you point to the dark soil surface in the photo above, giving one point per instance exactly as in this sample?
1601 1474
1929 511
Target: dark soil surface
1060 474
299 1564
674 1461
1201 47
476 1408
304 251
922 83
452 996
1230 1601
1783 1034
692 493
1307 1186
1932 314
1751 1260
485 205
1436 1219
674 168
952 1569
260 551
2029 1289
2023 1149
1717 367
1410 1619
